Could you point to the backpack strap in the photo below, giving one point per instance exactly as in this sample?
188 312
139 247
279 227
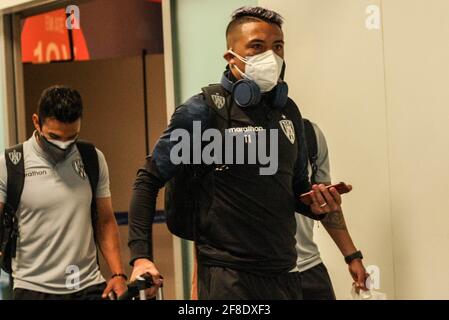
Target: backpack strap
217 100
312 148
91 166
15 167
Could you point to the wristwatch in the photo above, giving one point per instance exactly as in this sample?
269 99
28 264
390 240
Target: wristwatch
352 257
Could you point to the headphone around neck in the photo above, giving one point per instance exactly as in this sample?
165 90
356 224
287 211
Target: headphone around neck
246 93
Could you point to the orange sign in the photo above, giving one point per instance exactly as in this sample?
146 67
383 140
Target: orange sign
45 38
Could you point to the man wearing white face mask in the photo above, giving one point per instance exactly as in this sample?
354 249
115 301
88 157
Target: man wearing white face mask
264 69
244 223
60 208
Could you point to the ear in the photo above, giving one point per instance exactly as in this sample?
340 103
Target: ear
36 122
229 57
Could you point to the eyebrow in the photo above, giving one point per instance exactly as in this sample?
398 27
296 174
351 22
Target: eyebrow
263 41
256 41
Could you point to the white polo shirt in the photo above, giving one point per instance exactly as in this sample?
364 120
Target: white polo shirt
56 252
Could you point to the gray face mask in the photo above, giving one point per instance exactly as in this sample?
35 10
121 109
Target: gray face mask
57 152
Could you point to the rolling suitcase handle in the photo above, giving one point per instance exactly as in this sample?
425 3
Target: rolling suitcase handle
144 282
137 288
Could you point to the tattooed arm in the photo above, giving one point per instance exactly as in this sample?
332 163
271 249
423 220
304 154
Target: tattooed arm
334 222
335 225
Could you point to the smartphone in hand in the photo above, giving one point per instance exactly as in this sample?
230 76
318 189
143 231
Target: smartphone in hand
341 188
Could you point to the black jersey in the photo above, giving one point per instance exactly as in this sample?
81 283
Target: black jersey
247 219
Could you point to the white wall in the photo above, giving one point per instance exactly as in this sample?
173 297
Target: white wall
381 97
417 78
335 71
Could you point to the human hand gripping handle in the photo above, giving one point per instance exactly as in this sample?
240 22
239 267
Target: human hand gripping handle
116 287
145 268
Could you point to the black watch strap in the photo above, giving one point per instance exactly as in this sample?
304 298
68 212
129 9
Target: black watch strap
352 257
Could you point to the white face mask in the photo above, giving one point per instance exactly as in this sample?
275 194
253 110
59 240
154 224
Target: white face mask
56 149
62 145
264 69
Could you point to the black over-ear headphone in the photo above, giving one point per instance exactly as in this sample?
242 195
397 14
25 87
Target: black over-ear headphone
246 93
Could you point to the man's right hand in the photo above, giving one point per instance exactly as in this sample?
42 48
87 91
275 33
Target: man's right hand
142 266
325 201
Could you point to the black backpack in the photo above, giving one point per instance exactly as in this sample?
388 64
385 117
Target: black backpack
312 148
16 179
181 201
182 192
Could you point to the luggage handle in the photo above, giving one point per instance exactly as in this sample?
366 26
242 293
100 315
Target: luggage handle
137 288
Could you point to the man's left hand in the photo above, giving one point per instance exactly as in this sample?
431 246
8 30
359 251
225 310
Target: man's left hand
325 200
358 274
116 285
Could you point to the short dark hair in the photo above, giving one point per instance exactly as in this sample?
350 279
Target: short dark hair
61 103
250 14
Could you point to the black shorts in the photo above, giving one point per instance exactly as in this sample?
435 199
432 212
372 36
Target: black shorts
316 284
90 293
217 283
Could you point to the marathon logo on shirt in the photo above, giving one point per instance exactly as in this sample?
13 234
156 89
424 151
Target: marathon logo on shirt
245 129
78 166
36 173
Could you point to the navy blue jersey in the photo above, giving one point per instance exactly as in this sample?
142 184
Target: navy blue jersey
247 219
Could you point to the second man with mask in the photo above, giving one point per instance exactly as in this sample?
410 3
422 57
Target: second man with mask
54 253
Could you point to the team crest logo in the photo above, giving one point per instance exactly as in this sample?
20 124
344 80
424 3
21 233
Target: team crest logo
15 157
289 130
78 166
218 100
